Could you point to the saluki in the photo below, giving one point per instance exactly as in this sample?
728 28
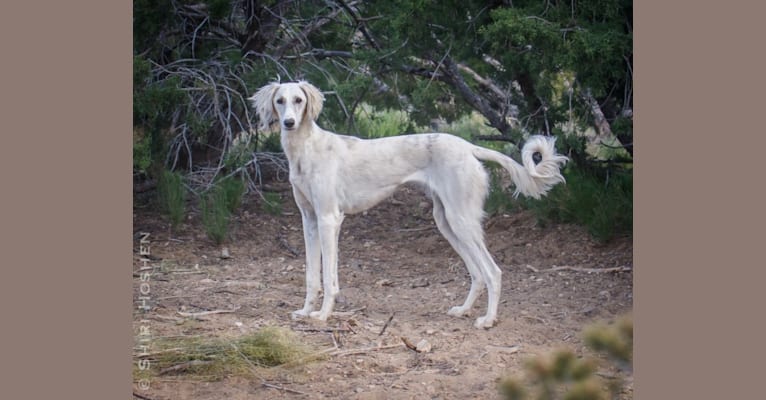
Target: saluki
333 175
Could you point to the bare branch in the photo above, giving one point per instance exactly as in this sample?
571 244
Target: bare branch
360 24
453 77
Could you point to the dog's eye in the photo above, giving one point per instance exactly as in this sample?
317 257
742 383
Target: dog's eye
280 100
298 100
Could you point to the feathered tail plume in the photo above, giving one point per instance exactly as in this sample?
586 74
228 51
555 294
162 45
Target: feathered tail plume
531 179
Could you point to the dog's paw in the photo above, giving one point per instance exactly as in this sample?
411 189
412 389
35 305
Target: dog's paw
319 315
457 311
484 322
298 314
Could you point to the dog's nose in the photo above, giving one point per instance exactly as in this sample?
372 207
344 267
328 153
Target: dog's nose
289 123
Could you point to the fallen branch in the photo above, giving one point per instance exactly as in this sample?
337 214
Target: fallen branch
588 270
203 313
138 396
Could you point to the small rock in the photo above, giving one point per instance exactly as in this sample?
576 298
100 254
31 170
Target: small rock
420 283
384 282
423 346
225 253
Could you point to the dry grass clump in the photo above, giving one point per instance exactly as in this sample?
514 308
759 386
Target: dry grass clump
212 359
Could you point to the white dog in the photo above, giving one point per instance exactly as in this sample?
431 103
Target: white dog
333 175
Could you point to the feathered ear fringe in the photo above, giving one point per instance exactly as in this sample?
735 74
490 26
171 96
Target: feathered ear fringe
314 99
264 105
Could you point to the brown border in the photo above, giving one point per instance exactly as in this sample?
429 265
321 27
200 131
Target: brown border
66 205
699 325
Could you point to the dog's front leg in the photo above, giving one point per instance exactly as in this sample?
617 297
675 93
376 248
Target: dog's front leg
329 229
313 259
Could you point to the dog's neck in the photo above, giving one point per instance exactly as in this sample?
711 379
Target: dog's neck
295 142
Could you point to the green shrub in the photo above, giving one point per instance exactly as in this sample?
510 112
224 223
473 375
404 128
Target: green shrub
142 154
372 123
600 200
233 188
172 196
215 215
218 204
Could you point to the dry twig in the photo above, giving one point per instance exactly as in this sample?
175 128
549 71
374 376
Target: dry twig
203 313
588 270
386 324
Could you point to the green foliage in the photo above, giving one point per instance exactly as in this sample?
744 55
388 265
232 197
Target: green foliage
150 17
217 206
590 39
142 154
154 102
597 197
372 123
218 9
563 375
215 215
233 189
471 125
271 143
171 194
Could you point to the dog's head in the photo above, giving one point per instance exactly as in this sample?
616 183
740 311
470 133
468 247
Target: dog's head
290 103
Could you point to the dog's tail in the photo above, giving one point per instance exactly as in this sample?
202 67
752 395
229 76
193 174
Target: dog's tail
532 179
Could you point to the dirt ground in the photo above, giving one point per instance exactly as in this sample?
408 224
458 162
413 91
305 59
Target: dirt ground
393 261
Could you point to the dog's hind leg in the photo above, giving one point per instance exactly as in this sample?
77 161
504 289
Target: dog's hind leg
463 213
493 275
471 237
477 279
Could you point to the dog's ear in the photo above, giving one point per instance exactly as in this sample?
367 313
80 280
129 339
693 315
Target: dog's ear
264 104
314 99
